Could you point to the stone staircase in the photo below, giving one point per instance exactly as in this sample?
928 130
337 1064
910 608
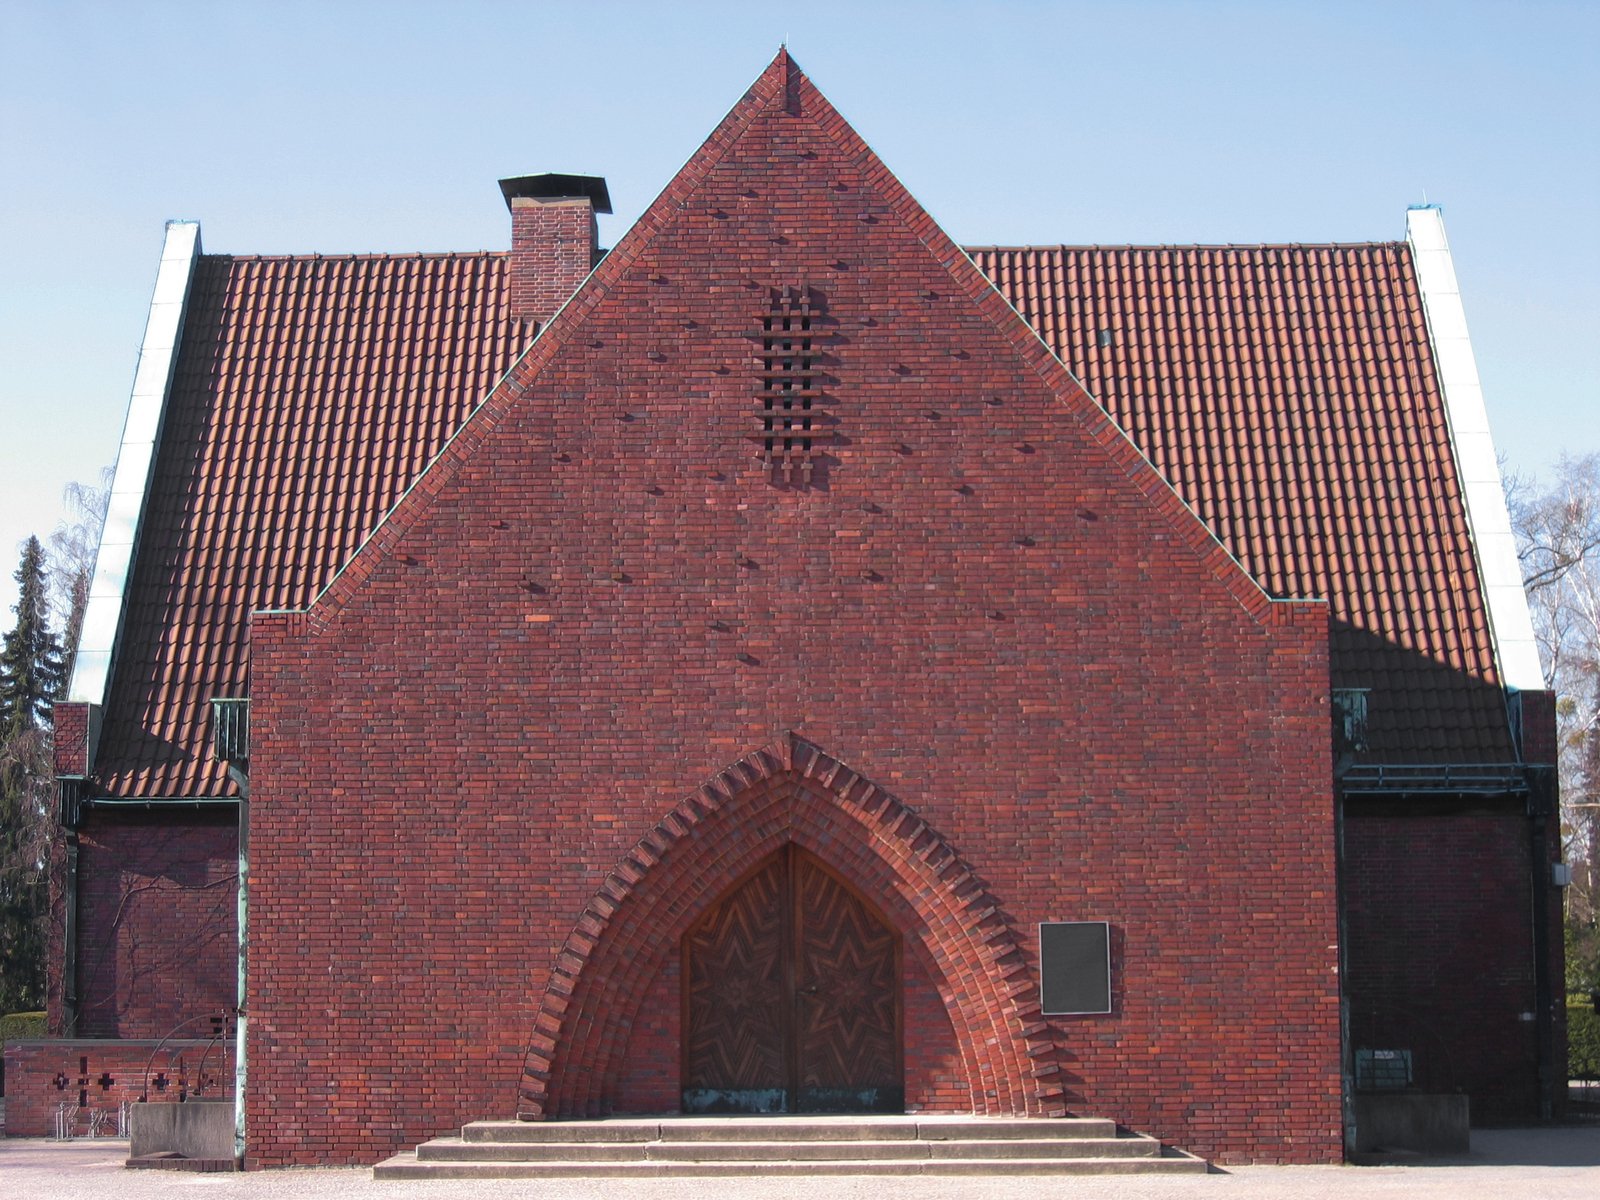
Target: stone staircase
667 1147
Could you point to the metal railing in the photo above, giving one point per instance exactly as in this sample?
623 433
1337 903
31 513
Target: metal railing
230 728
1480 778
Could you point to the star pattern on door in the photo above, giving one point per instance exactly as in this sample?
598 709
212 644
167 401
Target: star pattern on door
792 996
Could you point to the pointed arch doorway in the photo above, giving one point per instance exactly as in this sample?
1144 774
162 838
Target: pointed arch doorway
792 997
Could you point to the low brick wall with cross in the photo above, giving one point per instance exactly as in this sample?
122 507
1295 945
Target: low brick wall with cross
96 1075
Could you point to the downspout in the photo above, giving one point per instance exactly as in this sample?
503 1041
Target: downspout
241 776
1541 807
1348 707
69 942
230 740
1347 1079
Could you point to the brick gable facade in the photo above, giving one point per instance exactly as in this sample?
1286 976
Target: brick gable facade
985 603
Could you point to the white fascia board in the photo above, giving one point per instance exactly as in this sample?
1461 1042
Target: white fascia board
1476 462
141 435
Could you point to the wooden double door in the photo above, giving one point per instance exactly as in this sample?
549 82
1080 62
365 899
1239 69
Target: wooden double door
791 996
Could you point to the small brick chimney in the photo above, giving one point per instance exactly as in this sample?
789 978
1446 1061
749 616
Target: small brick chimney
554 238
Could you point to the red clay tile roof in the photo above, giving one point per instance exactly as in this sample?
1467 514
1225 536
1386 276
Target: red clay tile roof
1287 392
310 392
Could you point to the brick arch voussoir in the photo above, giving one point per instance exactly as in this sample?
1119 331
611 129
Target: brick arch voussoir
787 791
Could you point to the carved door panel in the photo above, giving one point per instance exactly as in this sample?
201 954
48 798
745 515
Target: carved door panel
792 998
848 999
735 1049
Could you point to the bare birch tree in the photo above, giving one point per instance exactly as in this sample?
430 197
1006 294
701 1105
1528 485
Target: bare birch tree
1558 537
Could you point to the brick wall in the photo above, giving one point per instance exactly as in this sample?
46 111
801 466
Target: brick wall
985 604
93 1075
1438 952
936 1078
157 913
1536 719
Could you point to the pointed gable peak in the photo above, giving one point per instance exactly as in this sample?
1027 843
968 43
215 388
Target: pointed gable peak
768 205
781 82
783 68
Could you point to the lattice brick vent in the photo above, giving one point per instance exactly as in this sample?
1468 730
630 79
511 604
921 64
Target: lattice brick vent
790 395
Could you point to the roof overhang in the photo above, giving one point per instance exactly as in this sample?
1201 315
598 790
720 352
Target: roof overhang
1516 652
136 457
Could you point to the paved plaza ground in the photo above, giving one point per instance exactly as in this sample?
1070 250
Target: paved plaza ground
1511 1164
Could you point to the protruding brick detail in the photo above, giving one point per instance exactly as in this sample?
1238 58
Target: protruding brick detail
789 791
1536 711
72 726
553 244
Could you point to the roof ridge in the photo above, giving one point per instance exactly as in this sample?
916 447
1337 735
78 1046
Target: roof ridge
1245 246
358 256
315 256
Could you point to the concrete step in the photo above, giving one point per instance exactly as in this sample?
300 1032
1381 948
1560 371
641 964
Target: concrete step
796 1129
458 1150
664 1147
408 1166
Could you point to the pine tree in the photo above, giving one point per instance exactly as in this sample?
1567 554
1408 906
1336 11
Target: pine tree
31 676
30 664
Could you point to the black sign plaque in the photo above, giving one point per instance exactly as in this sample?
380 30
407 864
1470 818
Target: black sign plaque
1074 967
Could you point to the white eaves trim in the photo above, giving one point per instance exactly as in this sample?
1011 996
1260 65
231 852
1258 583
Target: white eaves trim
141 434
1487 518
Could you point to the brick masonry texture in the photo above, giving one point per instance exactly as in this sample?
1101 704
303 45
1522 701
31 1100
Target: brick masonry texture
72 739
1286 392
158 913
987 608
1418 942
552 249
42 1074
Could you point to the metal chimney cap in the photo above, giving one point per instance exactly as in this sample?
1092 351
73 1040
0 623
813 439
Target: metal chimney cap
553 186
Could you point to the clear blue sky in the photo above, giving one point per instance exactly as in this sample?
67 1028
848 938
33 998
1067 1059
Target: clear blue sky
349 125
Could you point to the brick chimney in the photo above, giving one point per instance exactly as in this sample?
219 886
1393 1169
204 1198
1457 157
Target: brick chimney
554 238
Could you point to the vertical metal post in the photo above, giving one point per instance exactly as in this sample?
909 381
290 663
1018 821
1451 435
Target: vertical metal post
1346 1051
1542 792
239 1039
69 942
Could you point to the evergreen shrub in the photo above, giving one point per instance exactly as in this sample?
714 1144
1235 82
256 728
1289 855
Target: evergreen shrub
17 1026
1583 1038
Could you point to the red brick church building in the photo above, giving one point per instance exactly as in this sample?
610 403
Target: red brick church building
793 662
